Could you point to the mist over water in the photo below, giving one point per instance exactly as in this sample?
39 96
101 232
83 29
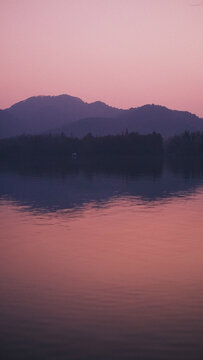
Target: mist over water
101 265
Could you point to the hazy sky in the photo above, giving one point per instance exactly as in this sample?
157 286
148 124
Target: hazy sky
123 52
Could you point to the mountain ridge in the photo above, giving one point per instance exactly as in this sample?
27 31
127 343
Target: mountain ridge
75 117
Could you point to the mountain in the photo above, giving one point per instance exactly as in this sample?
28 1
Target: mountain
74 117
8 125
144 120
43 113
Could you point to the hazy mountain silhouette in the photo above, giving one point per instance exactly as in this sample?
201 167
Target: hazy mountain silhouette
44 113
8 127
144 120
71 115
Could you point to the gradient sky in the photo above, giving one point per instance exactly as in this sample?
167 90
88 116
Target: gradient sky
123 52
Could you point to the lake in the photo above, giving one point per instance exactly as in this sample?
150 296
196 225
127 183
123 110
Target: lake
101 266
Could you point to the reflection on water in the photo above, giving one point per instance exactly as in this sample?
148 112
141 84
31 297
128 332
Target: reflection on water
101 266
73 190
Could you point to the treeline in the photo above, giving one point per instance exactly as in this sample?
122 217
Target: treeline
65 148
185 145
116 148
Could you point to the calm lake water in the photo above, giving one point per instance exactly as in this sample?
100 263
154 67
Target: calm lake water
101 266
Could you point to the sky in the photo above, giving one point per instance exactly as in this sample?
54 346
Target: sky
126 53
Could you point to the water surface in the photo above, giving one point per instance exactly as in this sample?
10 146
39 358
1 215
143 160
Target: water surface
97 266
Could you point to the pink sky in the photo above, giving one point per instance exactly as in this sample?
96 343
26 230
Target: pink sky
123 52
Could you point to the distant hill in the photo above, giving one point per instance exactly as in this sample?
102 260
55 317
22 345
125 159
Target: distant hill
144 120
74 117
43 113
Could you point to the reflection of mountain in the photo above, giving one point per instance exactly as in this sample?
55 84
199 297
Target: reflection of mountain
43 193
